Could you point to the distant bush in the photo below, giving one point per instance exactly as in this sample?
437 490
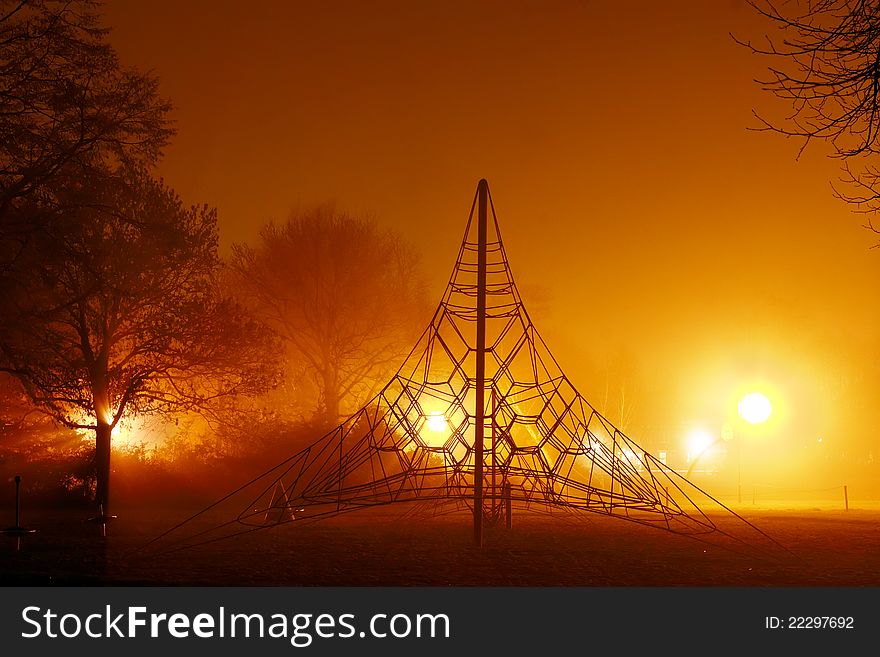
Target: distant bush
198 464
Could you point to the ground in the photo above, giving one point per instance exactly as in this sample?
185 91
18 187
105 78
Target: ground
823 547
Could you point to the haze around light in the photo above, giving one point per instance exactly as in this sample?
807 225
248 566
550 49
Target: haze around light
668 255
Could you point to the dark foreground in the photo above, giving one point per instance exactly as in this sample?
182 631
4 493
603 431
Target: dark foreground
379 548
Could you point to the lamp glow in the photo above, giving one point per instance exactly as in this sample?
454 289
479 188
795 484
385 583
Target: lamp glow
755 408
698 441
436 422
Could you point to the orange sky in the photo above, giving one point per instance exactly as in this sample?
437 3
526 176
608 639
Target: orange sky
650 231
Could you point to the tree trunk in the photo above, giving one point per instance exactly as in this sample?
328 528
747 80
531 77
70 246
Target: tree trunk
332 409
102 461
330 393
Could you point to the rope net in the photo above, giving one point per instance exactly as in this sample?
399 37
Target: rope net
544 445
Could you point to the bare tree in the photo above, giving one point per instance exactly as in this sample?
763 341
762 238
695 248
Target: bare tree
109 303
344 294
68 110
623 389
826 64
115 313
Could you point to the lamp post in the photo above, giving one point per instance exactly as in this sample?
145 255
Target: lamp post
755 409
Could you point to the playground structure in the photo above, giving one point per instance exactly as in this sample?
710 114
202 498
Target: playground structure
479 416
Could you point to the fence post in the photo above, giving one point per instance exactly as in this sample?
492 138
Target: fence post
845 498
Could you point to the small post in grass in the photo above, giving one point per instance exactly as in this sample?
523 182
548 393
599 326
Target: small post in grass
17 500
17 530
102 519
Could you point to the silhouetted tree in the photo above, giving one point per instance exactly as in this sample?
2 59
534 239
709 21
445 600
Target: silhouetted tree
68 111
344 294
115 309
826 63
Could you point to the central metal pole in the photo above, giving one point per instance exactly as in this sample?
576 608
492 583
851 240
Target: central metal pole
480 410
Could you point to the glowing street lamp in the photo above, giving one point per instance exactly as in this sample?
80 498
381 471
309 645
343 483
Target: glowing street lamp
698 442
436 422
435 430
755 408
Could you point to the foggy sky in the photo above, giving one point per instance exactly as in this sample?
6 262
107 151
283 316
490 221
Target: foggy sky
656 239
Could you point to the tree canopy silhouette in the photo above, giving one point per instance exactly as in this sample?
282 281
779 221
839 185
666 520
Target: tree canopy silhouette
117 311
345 295
68 109
826 63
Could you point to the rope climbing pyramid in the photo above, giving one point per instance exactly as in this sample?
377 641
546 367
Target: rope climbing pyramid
480 415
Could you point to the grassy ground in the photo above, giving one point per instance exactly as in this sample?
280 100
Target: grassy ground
824 547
